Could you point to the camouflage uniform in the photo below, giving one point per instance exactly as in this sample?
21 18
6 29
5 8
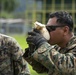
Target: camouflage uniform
56 60
11 60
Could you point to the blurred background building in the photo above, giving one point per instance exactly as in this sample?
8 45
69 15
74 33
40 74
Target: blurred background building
30 11
38 10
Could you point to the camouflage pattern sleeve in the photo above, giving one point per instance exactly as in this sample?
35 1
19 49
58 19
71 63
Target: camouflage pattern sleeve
17 55
38 67
56 61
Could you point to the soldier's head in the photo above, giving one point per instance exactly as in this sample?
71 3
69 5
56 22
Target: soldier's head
60 26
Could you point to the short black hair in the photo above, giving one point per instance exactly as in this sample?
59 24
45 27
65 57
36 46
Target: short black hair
63 17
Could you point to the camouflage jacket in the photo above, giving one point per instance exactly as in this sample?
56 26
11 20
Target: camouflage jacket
11 60
58 61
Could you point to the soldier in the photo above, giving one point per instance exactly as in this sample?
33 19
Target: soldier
11 60
58 55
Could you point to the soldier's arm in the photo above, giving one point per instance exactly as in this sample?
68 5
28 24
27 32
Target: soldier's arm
17 56
52 59
38 67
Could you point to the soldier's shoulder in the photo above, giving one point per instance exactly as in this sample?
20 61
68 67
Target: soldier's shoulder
7 37
3 35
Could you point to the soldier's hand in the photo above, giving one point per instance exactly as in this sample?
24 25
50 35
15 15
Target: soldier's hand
35 38
26 52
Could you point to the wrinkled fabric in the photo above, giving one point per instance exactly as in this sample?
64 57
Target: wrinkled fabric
11 60
58 61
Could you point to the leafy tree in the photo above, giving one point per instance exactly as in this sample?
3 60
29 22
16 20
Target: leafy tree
8 5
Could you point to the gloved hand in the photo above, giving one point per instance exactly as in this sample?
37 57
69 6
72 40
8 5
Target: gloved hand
26 54
35 38
29 51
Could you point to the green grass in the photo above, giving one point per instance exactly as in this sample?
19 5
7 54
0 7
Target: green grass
22 41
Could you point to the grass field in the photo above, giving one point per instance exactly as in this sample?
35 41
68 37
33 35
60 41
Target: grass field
22 41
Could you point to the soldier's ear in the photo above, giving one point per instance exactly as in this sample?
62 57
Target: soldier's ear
66 30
